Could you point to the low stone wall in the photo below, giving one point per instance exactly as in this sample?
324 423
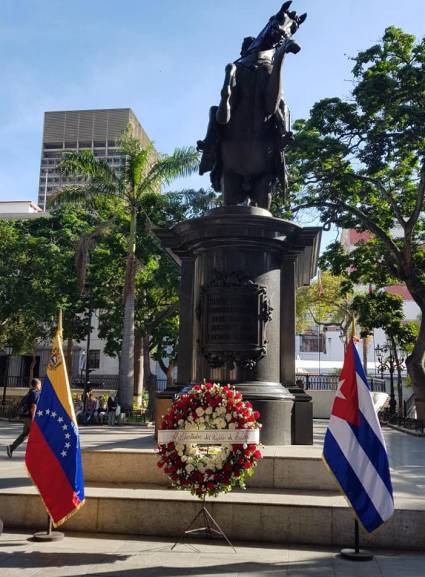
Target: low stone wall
323 400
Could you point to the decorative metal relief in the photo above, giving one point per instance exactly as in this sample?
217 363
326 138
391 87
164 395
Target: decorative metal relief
233 312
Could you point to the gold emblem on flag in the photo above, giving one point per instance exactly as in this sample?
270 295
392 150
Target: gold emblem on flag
55 359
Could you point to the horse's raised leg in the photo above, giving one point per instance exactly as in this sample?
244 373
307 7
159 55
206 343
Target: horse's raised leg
261 191
231 185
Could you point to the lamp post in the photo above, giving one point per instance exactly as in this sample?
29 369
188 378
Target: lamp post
399 357
8 351
387 363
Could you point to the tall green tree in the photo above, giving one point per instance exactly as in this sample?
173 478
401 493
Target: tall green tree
361 164
37 277
142 172
324 302
382 310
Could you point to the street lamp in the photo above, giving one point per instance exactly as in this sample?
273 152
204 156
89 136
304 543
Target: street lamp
391 360
8 351
400 358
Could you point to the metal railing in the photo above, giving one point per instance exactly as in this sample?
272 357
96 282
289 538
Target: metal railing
330 382
13 381
9 411
408 423
410 407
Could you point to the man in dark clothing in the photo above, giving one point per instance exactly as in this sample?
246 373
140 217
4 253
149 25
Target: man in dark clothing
29 406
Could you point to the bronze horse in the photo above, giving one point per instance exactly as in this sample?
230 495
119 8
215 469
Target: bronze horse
249 129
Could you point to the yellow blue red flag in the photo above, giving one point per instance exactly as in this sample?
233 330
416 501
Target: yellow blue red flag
53 455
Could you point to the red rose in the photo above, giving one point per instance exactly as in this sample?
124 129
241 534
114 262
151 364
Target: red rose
257 454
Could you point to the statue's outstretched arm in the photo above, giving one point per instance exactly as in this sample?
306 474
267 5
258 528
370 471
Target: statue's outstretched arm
224 109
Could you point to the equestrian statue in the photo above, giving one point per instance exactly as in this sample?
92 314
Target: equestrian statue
248 131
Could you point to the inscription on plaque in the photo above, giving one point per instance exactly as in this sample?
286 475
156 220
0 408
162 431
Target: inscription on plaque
233 311
232 316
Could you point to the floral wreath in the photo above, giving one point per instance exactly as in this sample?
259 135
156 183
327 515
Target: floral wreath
209 469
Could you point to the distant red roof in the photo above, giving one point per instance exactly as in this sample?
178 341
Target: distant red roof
355 236
399 290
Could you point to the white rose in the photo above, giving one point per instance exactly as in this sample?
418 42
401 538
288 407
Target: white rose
228 417
208 410
233 425
199 411
180 422
189 468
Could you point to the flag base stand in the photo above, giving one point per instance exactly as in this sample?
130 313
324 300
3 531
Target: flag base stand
353 555
356 554
210 529
50 535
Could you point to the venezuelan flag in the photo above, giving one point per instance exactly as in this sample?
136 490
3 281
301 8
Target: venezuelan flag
53 455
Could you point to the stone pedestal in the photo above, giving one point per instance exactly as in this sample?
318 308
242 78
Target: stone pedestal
240 267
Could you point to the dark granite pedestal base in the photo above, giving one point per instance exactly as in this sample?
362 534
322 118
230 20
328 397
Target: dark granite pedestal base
240 267
302 417
276 420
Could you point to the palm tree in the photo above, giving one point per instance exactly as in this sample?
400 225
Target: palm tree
141 173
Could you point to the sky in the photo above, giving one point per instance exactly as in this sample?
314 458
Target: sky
165 59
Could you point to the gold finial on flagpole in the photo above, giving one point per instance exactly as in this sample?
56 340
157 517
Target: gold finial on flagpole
60 327
353 329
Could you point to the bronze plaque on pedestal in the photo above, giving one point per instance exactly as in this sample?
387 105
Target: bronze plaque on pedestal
232 324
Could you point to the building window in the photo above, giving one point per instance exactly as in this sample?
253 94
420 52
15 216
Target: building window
94 359
313 343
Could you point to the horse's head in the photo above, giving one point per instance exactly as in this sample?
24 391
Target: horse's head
279 28
282 26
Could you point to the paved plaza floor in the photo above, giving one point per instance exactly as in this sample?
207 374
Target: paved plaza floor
123 556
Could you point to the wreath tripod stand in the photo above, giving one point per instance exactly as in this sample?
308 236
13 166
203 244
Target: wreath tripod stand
209 528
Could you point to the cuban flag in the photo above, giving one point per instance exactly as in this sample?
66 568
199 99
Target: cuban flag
53 455
354 448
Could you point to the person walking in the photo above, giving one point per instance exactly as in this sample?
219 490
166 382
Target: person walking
29 405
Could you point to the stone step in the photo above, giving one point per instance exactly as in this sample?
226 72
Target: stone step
292 467
319 518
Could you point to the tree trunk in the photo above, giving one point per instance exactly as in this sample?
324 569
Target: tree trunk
68 357
415 368
170 374
126 381
149 382
415 362
33 363
365 349
138 367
